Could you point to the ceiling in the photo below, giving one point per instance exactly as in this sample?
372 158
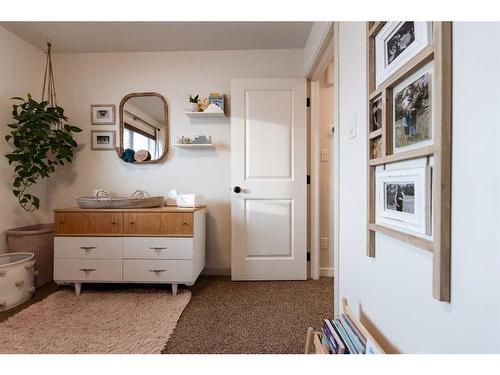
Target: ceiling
150 105
75 37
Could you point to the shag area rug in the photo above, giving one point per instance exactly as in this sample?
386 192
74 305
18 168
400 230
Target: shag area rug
123 321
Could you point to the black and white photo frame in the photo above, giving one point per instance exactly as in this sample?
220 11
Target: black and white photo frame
397 43
103 140
403 198
102 114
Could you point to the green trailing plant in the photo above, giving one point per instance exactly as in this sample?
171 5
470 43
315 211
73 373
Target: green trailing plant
194 100
42 139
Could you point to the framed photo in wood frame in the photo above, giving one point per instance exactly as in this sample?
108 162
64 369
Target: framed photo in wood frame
413 110
103 140
397 43
103 114
403 199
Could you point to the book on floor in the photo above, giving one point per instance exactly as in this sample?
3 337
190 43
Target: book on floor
343 335
331 338
356 337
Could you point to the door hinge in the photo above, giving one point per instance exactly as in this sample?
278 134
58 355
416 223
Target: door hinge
308 179
308 102
308 257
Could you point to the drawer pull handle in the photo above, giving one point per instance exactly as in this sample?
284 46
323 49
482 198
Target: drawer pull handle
157 272
88 248
156 248
185 224
87 270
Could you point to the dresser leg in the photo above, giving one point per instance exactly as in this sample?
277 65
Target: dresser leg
174 289
78 288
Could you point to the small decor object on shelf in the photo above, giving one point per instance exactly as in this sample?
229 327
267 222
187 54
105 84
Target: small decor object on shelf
194 140
217 99
103 140
201 139
213 108
404 199
203 104
412 110
103 114
397 43
192 105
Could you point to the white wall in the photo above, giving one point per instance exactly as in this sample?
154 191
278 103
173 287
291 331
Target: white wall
392 292
85 79
21 71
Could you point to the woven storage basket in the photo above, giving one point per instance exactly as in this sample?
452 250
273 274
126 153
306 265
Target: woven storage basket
140 199
37 239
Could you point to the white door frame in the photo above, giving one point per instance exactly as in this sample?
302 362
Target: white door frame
327 53
314 182
335 173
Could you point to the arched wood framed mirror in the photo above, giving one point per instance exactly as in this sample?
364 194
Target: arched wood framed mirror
144 128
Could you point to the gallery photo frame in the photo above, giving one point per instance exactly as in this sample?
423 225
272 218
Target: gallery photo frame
103 114
103 140
404 199
417 88
397 43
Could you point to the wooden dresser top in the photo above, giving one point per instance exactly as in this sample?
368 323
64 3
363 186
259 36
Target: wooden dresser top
151 210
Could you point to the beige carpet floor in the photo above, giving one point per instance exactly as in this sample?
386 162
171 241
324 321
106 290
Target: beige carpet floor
251 317
230 317
98 321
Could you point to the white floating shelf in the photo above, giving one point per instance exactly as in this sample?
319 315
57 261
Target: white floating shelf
205 114
194 145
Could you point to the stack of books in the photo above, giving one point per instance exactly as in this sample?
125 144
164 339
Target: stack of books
341 336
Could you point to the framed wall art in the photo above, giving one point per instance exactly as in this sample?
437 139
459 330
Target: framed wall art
412 106
397 43
404 199
103 114
103 140
409 69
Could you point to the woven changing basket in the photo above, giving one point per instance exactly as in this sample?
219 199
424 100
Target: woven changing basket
140 199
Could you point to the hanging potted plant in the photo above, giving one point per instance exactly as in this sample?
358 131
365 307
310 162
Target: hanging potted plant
42 139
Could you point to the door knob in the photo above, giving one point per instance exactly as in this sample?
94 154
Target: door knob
237 189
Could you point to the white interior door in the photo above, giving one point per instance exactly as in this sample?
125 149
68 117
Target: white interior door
268 175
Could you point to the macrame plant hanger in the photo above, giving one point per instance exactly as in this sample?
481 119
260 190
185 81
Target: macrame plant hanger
49 86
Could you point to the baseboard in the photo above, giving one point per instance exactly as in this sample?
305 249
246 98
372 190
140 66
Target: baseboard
326 272
216 271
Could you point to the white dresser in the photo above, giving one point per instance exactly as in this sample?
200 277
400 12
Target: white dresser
155 245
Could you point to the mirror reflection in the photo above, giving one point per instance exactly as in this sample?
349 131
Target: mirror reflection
143 128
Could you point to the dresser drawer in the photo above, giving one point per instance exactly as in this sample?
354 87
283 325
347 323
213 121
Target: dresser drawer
88 270
142 270
176 224
88 223
157 248
88 247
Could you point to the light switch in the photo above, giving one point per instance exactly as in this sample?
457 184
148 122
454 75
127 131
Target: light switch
324 155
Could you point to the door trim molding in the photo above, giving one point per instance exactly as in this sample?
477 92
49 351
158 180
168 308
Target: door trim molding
335 173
